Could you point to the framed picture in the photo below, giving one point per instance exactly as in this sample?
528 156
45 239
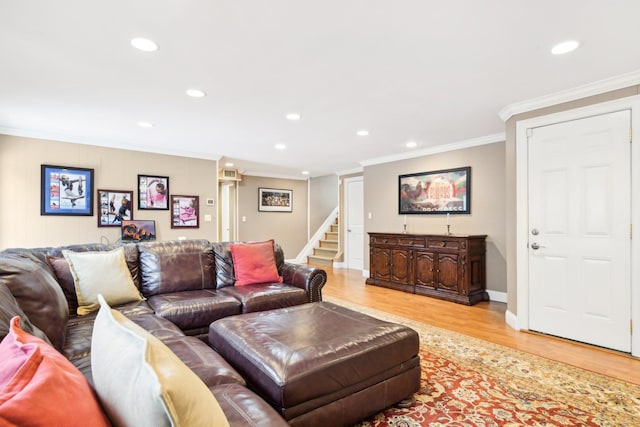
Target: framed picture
438 192
66 190
114 206
138 230
273 200
185 211
153 192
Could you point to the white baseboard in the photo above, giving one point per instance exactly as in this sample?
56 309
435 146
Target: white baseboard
365 273
497 296
511 320
338 264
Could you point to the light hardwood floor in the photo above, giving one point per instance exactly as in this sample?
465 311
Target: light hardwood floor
484 320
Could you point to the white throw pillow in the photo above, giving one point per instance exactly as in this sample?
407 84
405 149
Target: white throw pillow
105 273
141 382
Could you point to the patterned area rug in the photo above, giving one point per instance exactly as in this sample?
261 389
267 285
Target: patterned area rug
471 382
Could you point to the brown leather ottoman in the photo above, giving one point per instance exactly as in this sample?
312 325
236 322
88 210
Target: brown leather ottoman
320 363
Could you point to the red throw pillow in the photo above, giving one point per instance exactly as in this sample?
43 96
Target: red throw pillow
254 263
38 386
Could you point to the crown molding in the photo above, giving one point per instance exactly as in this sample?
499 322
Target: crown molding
350 171
273 175
489 139
590 89
49 136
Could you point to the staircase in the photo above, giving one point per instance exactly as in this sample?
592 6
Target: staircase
327 249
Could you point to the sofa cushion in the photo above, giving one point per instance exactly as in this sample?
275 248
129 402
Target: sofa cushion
38 386
61 269
254 263
103 273
38 294
128 362
176 266
9 308
266 296
245 408
193 309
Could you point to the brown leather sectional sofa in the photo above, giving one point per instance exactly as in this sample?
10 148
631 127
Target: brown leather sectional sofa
178 307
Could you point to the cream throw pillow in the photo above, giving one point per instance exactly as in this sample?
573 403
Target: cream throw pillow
141 382
103 273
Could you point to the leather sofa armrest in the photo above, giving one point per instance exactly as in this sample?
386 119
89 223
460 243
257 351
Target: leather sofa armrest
310 279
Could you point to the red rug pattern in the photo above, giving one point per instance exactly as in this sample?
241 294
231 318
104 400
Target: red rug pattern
453 395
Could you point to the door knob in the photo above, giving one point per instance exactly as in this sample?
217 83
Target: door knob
536 246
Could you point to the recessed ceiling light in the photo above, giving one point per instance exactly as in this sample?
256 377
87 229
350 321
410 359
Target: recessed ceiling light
280 146
144 45
362 132
305 172
145 124
228 164
293 116
565 47
196 93
412 144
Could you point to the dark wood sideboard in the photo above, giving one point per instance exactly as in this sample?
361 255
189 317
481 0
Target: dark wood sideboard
450 267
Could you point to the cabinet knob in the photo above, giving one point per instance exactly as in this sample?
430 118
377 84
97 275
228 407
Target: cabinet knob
443 244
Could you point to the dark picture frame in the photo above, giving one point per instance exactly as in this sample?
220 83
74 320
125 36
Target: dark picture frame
153 192
66 190
114 206
275 200
446 191
185 211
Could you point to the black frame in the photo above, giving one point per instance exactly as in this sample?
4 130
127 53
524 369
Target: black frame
146 193
265 204
446 191
111 209
185 215
75 199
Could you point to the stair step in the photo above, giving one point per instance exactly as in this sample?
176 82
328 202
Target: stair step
331 235
326 252
329 244
320 260
334 228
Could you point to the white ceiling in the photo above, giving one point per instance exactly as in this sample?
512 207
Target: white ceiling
433 71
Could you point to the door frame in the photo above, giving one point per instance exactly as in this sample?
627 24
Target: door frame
522 207
345 237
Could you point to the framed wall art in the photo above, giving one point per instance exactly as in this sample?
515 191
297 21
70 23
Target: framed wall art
185 211
274 200
114 206
66 190
153 192
445 191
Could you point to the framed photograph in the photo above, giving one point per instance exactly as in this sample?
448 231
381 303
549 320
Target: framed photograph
445 191
273 200
138 230
114 206
153 192
66 190
185 211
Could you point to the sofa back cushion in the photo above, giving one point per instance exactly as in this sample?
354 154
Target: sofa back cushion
130 255
176 266
225 272
37 292
9 309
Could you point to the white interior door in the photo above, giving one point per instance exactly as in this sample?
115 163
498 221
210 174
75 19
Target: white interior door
354 248
579 230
